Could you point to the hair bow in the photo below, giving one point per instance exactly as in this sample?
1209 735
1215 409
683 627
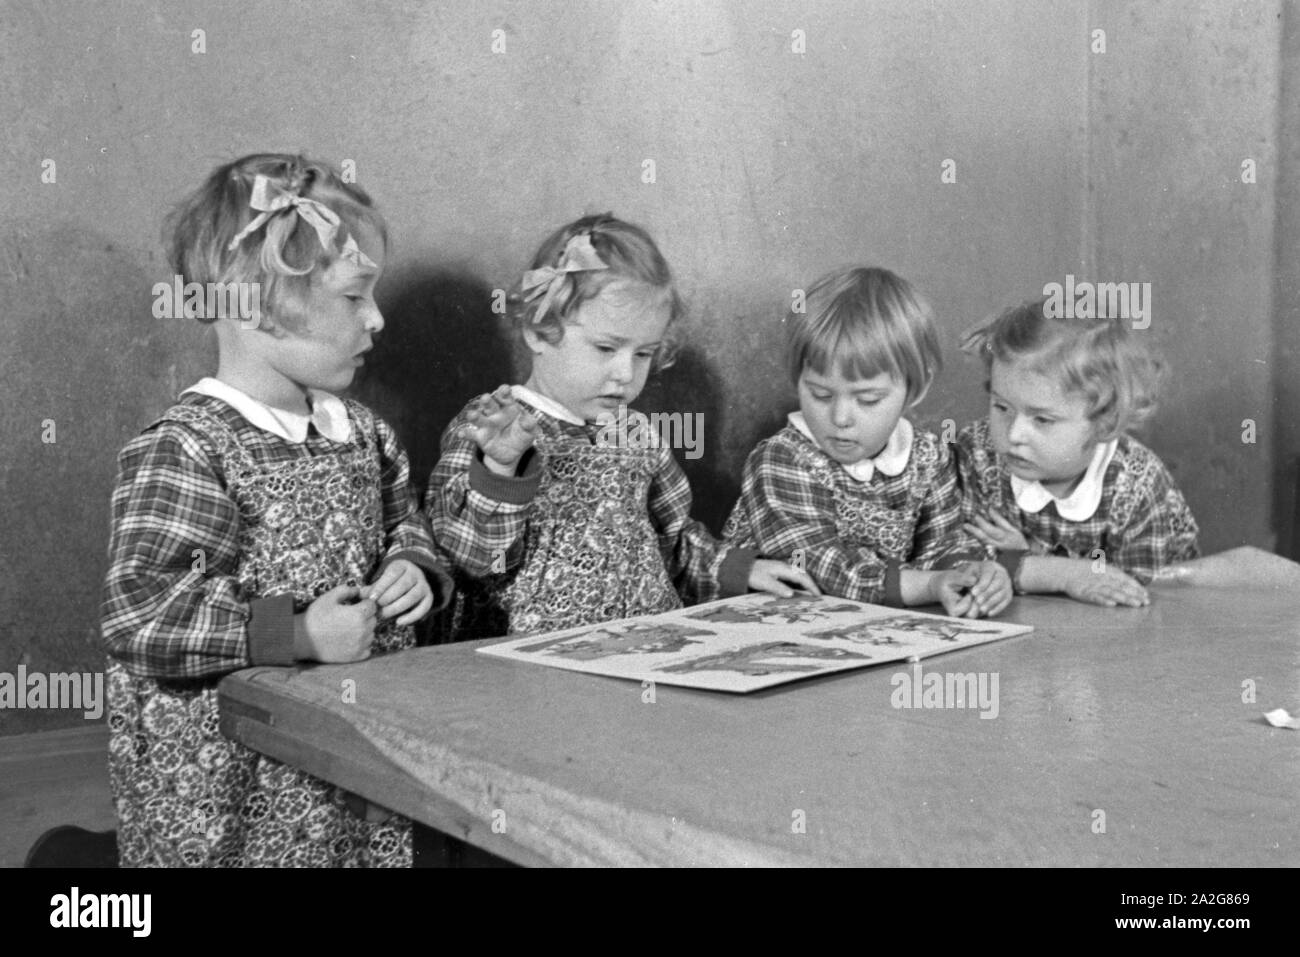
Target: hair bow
269 199
549 281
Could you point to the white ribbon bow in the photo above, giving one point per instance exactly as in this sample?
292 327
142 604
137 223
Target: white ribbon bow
269 199
549 282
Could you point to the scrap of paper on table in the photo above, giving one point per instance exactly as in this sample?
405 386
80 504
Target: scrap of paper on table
1281 719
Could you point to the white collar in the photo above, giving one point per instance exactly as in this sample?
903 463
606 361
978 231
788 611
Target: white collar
328 413
1082 503
891 460
543 404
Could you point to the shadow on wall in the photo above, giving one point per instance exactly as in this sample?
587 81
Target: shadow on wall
690 386
85 366
441 346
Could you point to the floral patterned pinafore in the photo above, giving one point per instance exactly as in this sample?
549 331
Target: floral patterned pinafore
591 554
865 521
186 795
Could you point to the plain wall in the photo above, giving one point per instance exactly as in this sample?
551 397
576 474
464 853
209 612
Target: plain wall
771 167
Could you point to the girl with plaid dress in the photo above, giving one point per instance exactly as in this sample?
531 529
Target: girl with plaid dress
261 520
850 490
1051 480
556 507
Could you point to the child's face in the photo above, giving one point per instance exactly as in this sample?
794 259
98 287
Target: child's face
604 357
1041 431
851 419
340 319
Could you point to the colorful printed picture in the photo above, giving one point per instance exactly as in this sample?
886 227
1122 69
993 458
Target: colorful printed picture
752 642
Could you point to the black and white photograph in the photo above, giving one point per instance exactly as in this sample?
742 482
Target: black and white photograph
652 434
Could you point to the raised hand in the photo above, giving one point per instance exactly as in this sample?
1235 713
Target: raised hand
501 428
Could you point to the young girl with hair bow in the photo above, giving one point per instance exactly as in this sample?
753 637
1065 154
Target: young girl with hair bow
261 520
550 520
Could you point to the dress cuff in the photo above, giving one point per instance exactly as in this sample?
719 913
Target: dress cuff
1011 560
270 631
733 573
893 585
511 489
439 580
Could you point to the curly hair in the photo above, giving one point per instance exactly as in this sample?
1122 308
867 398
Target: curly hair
630 255
284 251
1115 372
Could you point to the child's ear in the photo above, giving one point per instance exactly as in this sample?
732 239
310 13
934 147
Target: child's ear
533 339
265 323
920 396
1104 428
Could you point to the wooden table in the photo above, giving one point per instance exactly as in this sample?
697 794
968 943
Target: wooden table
1136 713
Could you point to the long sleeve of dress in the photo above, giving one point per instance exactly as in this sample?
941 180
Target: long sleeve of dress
788 516
172 604
478 518
702 567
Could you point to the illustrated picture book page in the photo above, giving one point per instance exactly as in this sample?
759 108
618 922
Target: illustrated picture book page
752 642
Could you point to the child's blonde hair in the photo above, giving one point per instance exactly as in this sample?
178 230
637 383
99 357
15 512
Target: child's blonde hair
283 252
628 253
866 321
1115 372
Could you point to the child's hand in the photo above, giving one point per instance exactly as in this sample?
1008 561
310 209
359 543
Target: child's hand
992 529
402 588
772 577
1110 587
335 628
992 591
951 588
501 428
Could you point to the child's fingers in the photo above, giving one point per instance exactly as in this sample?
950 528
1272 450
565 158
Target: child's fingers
998 519
420 610
402 601
397 580
958 605
342 594
1128 587
394 598
799 578
997 598
390 576
366 609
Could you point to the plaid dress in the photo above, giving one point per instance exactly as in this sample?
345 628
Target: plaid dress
854 538
1141 524
598 528
215 522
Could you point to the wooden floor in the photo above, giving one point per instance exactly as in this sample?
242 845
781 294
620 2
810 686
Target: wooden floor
51 778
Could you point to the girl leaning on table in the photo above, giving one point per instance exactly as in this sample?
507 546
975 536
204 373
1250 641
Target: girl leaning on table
1052 481
865 501
552 514
261 520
